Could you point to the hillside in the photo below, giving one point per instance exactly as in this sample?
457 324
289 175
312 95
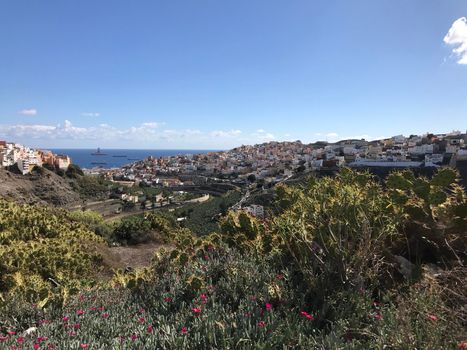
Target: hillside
45 188
345 263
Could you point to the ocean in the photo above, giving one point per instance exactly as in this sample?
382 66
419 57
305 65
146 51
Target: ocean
114 158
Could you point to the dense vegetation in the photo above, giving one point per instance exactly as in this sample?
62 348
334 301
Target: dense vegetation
203 218
344 263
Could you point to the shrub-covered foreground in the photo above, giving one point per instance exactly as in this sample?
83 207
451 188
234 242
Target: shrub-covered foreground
344 264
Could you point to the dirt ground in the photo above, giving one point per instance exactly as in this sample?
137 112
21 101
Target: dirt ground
129 256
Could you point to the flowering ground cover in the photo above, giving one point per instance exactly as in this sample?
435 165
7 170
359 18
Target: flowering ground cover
323 273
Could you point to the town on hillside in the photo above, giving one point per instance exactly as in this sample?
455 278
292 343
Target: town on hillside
277 161
243 178
26 158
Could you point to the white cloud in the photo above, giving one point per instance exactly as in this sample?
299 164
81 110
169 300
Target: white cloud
457 35
228 133
28 111
263 136
149 134
90 114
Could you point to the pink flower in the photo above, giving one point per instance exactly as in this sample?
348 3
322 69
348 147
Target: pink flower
105 315
134 337
280 277
76 326
168 299
206 257
268 306
80 312
196 310
3 337
378 317
41 339
11 332
462 345
307 315
36 346
261 324
150 329
141 310
141 319
84 346
65 318
50 346
93 308
72 334
184 330
20 340
101 308
433 317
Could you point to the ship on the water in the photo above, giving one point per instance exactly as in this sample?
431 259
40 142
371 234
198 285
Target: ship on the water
98 153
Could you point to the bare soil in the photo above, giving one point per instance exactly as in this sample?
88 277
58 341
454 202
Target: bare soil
130 256
47 188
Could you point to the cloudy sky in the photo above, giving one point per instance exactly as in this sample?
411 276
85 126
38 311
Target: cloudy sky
216 74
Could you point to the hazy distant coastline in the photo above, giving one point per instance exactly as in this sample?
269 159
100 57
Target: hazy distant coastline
114 158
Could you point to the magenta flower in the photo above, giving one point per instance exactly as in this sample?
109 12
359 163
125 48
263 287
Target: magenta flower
80 312
141 319
261 324
134 337
378 317
3 337
36 346
196 310
105 315
184 330
433 317
268 306
11 332
65 318
150 329
307 315
20 340
84 346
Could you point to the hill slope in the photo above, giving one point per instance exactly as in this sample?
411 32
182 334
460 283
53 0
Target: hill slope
45 188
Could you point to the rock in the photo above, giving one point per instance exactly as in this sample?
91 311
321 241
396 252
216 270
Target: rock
405 267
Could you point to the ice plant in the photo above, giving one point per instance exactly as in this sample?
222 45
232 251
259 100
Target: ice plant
168 299
261 324
36 346
3 337
84 346
20 340
65 318
268 306
11 332
105 315
150 329
196 310
433 317
134 337
184 330
378 317
80 312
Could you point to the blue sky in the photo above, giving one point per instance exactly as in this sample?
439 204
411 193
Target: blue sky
216 74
